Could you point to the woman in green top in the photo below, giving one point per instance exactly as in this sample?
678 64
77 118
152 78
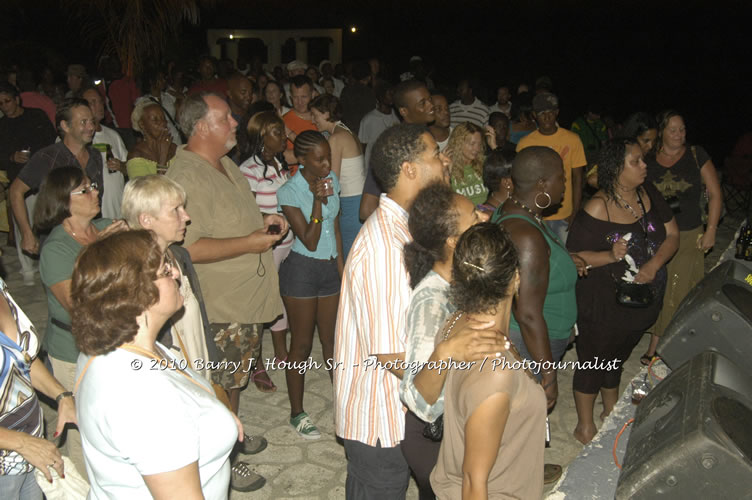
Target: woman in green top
465 149
66 207
545 309
155 149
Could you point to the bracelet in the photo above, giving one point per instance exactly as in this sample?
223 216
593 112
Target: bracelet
315 220
62 395
549 372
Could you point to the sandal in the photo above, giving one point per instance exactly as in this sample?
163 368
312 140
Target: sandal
277 361
645 359
261 384
551 473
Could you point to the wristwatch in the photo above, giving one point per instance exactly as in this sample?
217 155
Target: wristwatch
62 395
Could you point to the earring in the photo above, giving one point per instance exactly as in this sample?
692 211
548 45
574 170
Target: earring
543 207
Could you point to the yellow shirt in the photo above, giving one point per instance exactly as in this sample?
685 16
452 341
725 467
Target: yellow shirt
244 289
569 147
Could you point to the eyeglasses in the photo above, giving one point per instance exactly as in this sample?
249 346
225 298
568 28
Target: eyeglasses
165 271
88 189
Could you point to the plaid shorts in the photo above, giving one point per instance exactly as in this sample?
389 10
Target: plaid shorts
238 344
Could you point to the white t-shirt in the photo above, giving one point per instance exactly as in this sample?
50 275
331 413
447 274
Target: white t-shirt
144 421
114 182
265 186
371 127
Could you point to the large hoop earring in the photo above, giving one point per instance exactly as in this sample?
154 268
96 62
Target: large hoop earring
543 207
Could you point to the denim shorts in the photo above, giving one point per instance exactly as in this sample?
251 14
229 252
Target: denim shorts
306 278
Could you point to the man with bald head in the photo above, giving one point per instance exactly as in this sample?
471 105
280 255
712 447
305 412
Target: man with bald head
545 309
239 95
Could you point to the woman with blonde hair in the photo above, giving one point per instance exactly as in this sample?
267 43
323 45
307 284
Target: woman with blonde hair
157 203
465 149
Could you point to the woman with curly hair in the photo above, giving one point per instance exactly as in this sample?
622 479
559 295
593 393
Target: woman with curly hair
626 230
684 174
124 290
495 411
348 163
465 149
266 171
438 216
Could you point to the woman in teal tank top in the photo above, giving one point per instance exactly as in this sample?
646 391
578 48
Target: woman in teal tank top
545 309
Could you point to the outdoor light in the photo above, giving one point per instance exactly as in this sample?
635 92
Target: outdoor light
231 37
97 82
353 29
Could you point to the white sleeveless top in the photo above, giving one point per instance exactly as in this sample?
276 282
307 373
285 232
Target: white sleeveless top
352 175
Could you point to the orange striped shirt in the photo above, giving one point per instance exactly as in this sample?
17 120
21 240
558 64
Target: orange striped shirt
371 320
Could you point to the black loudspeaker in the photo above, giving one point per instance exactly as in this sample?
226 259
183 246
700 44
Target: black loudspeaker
716 315
692 435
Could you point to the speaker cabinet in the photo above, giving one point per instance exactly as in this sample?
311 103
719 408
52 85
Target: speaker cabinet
716 315
692 435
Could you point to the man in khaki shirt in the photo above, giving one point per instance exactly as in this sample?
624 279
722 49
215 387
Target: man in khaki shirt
230 244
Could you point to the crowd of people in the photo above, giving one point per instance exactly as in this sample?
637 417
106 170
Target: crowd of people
447 252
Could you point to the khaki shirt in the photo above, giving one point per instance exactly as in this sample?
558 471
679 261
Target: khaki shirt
244 289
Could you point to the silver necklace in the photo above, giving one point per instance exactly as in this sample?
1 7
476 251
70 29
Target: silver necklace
454 322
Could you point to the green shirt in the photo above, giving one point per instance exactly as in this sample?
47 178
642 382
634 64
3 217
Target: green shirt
560 306
59 253
471 186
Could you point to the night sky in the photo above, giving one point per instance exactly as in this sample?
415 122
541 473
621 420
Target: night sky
630 56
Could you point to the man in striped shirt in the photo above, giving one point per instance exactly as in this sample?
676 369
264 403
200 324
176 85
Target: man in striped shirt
467 108
370 333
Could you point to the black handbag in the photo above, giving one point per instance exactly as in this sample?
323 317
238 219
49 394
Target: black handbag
434 430
635 295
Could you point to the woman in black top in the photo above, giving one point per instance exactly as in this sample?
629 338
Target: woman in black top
626 226
683 174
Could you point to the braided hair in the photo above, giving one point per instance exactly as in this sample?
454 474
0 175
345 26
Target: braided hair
306 141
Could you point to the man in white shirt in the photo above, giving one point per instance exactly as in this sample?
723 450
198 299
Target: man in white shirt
503 101
377 120
114 155
468 108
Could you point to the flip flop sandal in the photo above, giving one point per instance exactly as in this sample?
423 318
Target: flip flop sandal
551 473
266 386
645 359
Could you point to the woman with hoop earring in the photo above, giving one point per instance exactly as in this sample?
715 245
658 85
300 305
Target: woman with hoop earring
545 310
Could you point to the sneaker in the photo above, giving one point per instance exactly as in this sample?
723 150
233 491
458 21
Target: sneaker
251 445
304 426
244 479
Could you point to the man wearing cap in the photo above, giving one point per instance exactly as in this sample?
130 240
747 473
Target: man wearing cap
569 147
76 75
294 68
467 108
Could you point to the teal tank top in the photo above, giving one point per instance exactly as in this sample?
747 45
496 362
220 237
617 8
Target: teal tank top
560 306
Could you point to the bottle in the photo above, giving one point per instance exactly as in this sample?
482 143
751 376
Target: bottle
742 242
748 244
